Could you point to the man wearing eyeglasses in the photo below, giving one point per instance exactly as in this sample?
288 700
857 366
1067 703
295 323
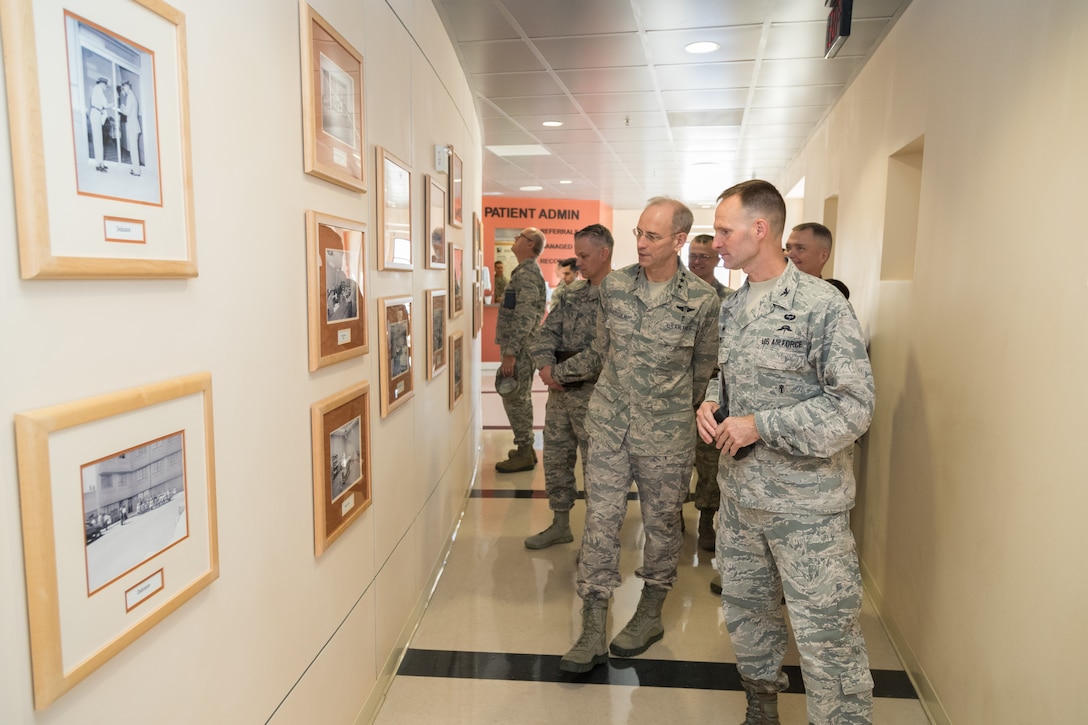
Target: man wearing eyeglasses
656 341
703 259
520 312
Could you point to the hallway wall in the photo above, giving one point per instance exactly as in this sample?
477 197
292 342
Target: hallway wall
281 636
973 492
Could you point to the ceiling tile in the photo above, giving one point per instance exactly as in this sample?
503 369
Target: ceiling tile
706 100
596 51
658 15
608 80
535 105
563 135
805 72
650 119
507 85
737 43
618 102
702 76
796 96
727 117
542 19
786 114
472 20
535 123
636 133
499 57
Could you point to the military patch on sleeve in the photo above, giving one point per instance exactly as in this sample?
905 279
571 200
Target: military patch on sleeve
510 299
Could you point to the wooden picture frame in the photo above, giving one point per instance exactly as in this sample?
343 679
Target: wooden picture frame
333 130
394 211
437 352
340 426
143 457
395 365
457 200
457 367
457 280
117 201
336 289
477 308
435 253
477 242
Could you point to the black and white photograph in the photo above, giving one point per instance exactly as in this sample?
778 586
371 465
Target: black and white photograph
341 291
345 456
133 507
337 102
112 84
399 349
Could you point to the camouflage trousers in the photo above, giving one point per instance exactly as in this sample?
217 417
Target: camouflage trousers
662 483
518 403
811 559
564 436
707 493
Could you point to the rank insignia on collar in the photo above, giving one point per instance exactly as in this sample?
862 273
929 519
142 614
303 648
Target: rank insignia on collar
684 308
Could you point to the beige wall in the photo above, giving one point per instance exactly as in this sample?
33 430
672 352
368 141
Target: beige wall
281 636
973 496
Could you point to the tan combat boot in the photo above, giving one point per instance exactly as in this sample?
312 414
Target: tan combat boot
591 649
762 703
521 459
557 533
645 626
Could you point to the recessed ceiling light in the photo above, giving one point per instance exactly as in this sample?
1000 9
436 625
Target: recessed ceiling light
565 181
531 188
552 124
702 46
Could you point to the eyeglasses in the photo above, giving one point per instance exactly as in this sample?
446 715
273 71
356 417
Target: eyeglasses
650 236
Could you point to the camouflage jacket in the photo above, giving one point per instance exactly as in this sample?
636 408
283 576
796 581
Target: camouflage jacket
569 327
799 365
521 308
654 358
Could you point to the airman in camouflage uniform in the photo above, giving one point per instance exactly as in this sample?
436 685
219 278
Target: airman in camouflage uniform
797 388
520 311
703 260
567 333
656 337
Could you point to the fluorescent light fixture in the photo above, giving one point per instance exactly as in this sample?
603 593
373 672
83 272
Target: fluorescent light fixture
702 46
565 181
531 188
519 150
552 124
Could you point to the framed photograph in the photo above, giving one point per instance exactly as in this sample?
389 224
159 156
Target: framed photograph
437 354
119 521
395 364
394 187
340 425
456 187
332 103
457 280
436 224
111 125
457 367
336 288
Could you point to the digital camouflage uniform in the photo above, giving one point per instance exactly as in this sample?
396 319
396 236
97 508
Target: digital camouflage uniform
655 356
568 328
706 454
520 311
799 365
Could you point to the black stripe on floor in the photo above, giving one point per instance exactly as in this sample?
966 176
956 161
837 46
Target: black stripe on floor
630 672
528 493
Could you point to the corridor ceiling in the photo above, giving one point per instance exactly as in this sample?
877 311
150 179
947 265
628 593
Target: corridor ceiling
640 115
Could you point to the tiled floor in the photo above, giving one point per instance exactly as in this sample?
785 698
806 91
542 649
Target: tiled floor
488 647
